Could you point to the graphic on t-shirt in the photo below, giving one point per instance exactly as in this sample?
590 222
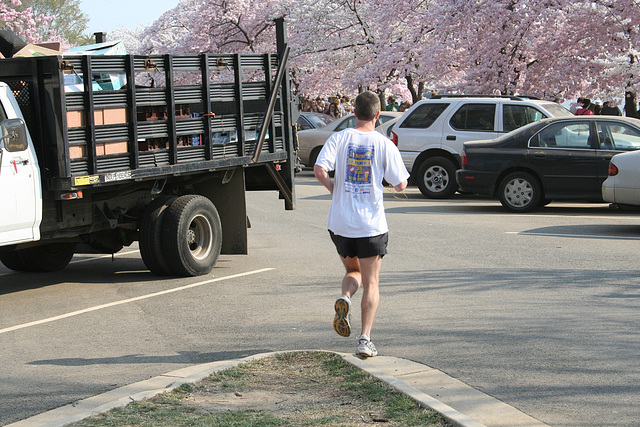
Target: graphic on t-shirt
358 173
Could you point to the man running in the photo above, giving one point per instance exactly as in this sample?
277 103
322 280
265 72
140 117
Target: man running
361 159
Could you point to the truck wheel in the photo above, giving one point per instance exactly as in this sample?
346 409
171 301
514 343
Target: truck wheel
12 260
520 192
192 235
437 178
46 258
151 235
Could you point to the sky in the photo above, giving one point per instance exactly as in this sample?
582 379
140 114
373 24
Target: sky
109 15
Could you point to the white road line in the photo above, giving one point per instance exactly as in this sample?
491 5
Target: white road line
579 236
126 301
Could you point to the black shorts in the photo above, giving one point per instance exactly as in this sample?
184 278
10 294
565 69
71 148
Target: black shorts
361 247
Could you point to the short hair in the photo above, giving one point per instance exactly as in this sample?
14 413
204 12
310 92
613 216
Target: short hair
366 106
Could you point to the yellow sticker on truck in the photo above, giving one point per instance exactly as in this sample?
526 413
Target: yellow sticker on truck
86 180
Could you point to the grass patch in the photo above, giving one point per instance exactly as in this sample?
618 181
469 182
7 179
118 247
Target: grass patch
298 388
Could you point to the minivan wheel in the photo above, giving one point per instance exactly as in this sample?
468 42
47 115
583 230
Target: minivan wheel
437 178
520 192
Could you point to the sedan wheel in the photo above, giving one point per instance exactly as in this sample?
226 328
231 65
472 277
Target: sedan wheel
520 192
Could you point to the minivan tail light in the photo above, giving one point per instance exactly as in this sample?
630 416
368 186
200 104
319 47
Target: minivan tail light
613 170
394 138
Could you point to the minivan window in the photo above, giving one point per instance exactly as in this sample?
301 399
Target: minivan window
515 116
424 115
474 117
556 109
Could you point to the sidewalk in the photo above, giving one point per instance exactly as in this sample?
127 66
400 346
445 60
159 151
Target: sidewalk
459 403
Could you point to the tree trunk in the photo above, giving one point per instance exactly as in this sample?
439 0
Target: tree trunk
416 93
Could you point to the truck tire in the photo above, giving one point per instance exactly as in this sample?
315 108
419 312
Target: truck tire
520 192
12 260
437 178
192 236
47 258
151 235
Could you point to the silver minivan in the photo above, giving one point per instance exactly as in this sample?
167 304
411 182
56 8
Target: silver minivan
430 135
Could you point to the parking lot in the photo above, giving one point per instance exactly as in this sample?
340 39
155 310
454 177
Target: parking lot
539 310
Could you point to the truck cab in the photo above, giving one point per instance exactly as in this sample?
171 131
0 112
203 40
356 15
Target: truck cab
20 189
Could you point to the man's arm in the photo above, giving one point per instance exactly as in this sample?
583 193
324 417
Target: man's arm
323 176
400 187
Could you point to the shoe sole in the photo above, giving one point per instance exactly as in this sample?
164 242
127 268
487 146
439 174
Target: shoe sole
341 322
362 354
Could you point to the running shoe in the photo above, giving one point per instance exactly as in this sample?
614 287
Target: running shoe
343 314
365 347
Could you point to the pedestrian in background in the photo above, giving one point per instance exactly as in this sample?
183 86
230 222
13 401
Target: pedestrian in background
609 110
574 107
333 110
585 110
391 104
361 159
597 109
630 104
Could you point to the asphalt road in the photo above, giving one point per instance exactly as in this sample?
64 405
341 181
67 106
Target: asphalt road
541 310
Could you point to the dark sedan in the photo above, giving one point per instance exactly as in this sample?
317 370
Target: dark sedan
553 159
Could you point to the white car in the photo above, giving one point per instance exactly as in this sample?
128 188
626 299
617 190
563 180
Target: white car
312 140
431 134
386 127
622 187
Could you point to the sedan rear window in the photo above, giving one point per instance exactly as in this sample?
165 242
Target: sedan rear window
565 135
347 123
424 115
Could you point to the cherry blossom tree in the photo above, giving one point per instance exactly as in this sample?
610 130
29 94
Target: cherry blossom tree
214 26
26 24
547 48
562 48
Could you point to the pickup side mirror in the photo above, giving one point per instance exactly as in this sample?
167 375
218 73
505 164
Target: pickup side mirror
14 135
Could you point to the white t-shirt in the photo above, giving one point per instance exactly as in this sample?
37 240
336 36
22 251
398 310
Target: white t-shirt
360 160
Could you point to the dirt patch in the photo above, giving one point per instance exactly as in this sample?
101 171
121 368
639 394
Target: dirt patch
298 387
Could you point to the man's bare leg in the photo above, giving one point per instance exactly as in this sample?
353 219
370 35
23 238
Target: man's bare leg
350 285
370 272
352 278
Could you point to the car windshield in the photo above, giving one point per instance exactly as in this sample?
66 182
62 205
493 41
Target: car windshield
385 118
556 110
319 120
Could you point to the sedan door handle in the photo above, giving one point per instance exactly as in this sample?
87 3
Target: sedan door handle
451 137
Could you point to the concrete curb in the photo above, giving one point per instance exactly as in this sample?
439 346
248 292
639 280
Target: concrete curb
454 417
379 367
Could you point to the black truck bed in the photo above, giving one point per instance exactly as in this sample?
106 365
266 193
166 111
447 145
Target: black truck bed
143 117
